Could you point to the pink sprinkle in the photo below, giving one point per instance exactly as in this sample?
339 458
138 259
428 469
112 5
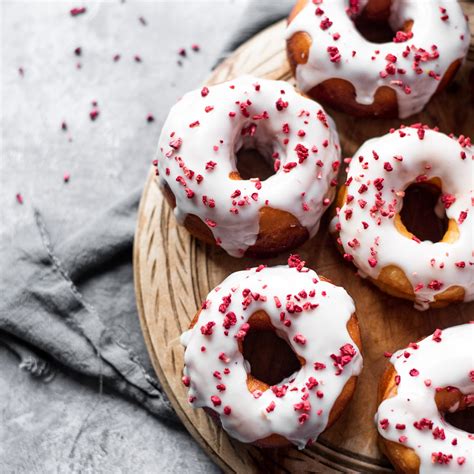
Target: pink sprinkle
372 262
325 24
300 339
281 104
19 198
216 401
270 407
437 335
77 11
435 285
66 177
93 114
462 217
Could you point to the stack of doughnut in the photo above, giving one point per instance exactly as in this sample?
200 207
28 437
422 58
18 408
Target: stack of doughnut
335 64
197 171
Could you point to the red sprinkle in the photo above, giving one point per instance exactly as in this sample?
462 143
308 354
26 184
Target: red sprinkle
93 114
281 104
77 11
270 407
300 339
216 400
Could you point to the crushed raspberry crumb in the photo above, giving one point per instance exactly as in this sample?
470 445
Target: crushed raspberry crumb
435 285
437 335
207 329
281 104
270 407
299 339
77 11
216 401
93 114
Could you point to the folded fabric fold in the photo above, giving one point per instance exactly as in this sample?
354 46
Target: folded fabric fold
43 307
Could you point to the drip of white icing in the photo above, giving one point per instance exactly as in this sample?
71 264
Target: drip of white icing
451 37
323 327
185 152
441 360
400 161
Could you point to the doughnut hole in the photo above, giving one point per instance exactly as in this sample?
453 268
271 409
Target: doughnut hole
253 152
373 22
277 362
252 164
339 93
271 359
418 216
404 459
392 279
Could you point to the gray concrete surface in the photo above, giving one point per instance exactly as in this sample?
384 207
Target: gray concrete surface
66 425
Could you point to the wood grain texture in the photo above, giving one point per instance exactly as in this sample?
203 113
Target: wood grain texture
174 273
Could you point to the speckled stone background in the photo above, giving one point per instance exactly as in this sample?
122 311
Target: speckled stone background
67 425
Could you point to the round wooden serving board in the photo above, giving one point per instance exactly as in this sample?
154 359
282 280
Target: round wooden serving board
174 273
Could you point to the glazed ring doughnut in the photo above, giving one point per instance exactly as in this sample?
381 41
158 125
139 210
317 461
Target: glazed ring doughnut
318 321
335 64
422 382
196 163
372 234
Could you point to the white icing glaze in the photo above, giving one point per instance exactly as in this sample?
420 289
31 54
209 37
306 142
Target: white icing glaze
323 328
380 244
363 70
441 360
303 190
